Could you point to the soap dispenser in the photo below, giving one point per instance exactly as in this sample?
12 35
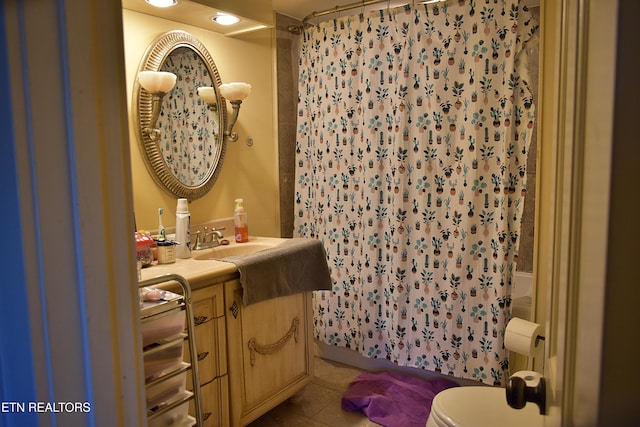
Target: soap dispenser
240 222
183 233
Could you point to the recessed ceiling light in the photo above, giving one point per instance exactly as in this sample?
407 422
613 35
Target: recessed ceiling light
162 3
225 19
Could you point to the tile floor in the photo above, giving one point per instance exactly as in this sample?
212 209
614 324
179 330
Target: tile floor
318 405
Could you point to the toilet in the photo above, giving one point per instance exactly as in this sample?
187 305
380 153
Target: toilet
480 406
486 406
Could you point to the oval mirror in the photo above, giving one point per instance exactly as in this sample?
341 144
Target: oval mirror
185 149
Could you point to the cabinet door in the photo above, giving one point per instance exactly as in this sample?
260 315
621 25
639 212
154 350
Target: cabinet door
269 351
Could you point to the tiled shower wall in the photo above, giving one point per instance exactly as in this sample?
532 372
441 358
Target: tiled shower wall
287 82
525 254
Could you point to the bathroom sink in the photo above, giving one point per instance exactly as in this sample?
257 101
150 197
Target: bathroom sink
221 252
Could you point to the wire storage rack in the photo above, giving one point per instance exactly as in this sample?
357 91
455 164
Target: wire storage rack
167 323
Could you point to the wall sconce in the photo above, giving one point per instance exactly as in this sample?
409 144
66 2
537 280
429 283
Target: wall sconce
235 92
157 83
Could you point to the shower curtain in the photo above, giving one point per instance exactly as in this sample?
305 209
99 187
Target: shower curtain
412 137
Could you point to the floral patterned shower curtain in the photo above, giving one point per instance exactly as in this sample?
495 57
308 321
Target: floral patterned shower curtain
412 137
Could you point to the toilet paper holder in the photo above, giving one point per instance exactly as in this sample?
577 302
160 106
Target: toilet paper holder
523 337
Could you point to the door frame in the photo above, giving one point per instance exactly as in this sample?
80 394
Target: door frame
69 249
576 139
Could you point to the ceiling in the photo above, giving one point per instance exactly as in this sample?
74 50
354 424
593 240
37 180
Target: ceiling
255 14
198 14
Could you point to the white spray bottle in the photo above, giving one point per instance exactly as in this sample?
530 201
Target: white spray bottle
183 233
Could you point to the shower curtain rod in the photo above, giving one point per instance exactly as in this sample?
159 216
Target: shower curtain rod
363 3
342 8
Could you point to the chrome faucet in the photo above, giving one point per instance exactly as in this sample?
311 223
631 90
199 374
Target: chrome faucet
211 239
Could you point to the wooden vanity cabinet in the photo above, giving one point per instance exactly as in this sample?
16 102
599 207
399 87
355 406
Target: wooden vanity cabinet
250 359
270 351
210 332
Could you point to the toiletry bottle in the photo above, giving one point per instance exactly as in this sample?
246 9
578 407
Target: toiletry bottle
240 222
183 234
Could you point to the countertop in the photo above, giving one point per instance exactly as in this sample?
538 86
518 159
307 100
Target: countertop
202 273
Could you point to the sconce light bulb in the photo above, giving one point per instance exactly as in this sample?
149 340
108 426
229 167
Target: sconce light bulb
157 81
235 91
208 94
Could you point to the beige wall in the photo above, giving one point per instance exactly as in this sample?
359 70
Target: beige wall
248 172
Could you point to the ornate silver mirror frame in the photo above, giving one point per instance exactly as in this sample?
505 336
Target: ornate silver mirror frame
185 157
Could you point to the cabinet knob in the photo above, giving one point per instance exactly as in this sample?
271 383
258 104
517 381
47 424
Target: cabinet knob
199 320
518 394
203 355
234 309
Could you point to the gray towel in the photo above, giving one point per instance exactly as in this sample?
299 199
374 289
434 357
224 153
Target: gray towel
296 265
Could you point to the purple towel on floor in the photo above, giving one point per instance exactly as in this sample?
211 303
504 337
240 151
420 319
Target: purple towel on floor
392 399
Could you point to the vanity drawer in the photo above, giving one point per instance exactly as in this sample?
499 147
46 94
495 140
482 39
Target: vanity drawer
215 403
210 333
208 303
211 348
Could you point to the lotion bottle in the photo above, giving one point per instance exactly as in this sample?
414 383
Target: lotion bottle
183 233
240 222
